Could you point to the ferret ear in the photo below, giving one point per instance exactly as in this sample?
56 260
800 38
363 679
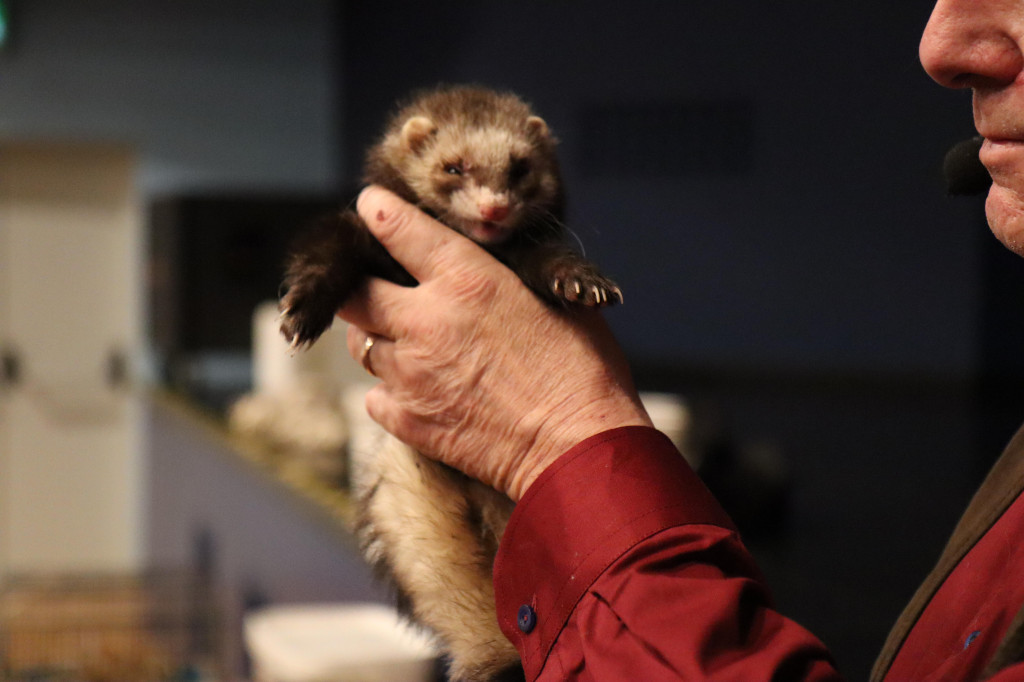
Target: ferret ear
536 126
416 131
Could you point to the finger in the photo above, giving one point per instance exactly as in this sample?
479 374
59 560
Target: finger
379 401
381 408
413 238
380 307
374 353
359 310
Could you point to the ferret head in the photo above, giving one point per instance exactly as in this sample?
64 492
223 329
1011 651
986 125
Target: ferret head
483 163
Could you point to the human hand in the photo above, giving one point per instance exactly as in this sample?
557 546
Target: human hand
475 370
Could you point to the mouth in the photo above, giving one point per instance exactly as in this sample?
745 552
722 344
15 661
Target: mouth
487 232
996 141
1003 158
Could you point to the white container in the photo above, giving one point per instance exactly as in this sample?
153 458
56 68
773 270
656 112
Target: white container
336 643
671 415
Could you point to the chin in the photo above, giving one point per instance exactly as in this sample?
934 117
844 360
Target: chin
1005 211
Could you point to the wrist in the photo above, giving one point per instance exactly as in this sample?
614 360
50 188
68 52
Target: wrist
558 436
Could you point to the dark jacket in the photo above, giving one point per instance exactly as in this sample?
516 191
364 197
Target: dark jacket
1001 487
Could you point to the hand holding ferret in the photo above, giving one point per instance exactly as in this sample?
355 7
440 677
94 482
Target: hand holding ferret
475 370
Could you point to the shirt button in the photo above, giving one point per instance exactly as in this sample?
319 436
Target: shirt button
527 619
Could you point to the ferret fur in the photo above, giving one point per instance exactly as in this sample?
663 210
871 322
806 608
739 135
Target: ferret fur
485 165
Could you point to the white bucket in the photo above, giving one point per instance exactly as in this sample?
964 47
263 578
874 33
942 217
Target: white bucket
336 643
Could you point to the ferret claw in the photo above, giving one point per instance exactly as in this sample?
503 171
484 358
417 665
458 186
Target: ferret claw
589 289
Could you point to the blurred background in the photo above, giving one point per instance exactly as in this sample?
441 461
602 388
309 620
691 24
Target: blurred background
763 180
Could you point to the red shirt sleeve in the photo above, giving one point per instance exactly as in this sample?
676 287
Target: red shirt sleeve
618 564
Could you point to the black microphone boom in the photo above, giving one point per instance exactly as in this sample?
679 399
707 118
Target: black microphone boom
965 175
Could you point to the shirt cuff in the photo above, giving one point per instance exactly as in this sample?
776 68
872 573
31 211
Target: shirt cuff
593 504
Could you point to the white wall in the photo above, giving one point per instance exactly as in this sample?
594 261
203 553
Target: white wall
229 93
71 463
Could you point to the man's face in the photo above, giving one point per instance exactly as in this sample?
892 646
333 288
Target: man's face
977 44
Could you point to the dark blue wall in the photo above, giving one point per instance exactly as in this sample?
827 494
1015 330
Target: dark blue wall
835 251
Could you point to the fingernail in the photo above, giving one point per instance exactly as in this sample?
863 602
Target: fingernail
364 195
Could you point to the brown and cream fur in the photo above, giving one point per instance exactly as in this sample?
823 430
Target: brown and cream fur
485 165
433 533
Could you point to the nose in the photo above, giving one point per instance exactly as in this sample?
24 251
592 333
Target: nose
966 45
493 212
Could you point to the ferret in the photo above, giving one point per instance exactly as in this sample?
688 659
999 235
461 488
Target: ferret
480 162
484 164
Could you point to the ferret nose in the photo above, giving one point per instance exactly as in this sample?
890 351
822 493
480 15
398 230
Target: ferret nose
494 212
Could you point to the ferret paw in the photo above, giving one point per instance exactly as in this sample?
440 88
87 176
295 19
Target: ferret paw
304 315
589 289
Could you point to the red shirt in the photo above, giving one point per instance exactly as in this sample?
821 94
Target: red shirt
618 564
961 627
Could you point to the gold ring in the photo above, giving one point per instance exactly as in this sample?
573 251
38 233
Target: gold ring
364 356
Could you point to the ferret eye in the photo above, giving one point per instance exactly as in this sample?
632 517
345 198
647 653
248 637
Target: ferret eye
518 169
453 168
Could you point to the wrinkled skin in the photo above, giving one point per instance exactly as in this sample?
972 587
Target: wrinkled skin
474 370
979 44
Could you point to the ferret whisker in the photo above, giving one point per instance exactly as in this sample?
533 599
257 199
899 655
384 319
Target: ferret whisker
546 224
550 218
572 233
561 226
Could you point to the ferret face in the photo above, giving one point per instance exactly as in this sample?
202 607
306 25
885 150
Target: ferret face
486 181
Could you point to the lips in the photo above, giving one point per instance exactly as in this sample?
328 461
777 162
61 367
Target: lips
990 150
997 119
998 143
1002 155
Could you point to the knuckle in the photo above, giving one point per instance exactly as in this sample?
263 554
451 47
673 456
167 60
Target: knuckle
413 375
375 403
470 285
476 286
